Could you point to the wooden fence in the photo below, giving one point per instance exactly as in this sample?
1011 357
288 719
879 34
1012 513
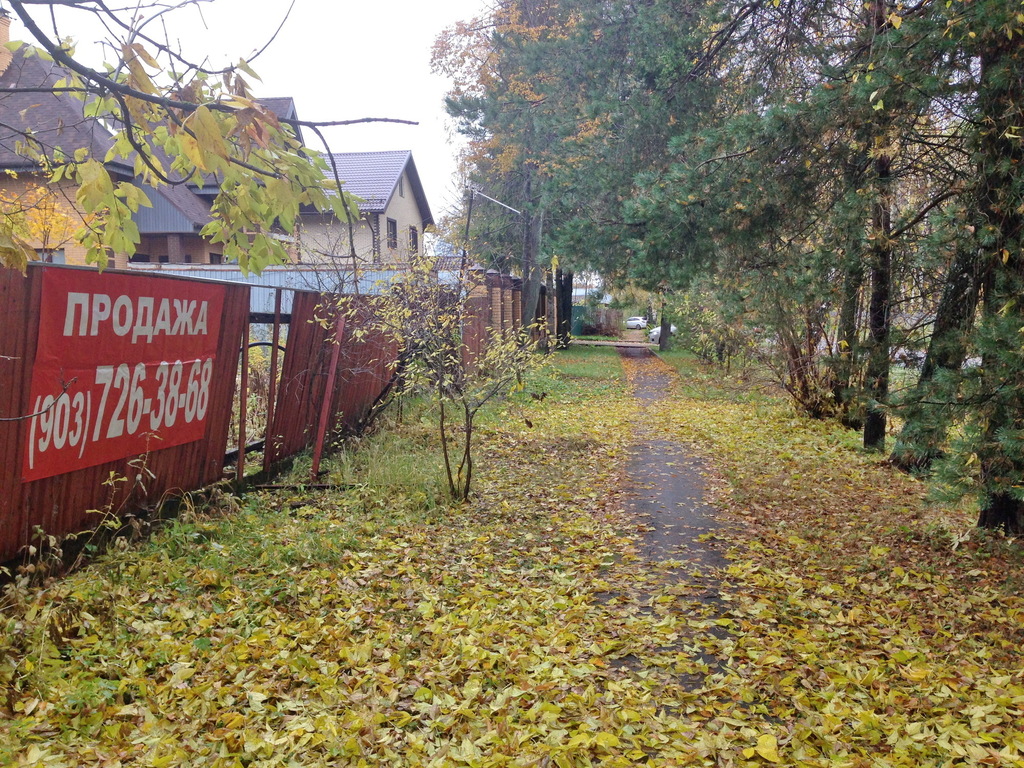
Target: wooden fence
116 389
61 502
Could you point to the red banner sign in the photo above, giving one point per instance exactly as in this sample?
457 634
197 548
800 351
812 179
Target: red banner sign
123 367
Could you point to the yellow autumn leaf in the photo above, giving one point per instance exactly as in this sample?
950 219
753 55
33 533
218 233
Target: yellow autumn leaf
191 149
208 131
606 739
768 748
915 674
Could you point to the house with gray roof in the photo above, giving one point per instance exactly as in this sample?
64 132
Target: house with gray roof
393 214
387 233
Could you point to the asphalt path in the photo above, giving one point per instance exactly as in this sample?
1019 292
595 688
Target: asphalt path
667 497
668 483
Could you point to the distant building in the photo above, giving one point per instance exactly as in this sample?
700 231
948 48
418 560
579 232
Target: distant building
393 215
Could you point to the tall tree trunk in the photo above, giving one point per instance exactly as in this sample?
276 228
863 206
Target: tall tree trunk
666 328
532 276
564 323
879 315
925 420
845 367
846 364
550 311
879 310
1001 234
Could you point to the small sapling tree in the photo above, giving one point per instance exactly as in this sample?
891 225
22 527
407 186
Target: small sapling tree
430 317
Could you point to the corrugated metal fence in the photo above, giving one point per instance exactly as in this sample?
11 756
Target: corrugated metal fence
116 390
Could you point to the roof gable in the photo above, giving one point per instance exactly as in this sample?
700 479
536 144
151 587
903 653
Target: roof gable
374 176
284 108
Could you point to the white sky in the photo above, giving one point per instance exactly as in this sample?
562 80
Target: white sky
339 60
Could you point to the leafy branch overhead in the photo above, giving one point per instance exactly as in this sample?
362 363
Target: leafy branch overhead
172 122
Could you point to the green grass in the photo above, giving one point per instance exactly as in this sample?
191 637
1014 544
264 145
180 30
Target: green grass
751 384
399 460
682 360
396 474
579 372
588 362
596 337
399 467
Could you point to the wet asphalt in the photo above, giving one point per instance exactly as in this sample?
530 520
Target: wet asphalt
668 485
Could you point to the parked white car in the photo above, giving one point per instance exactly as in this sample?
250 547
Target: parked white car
636 323
655 334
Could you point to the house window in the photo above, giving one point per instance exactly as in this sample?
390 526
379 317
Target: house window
414 240
216 258
51 256
139 258
392 234
401 186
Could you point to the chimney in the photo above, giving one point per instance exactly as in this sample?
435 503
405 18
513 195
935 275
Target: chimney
5 37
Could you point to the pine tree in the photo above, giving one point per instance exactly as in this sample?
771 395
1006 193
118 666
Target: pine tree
993 32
